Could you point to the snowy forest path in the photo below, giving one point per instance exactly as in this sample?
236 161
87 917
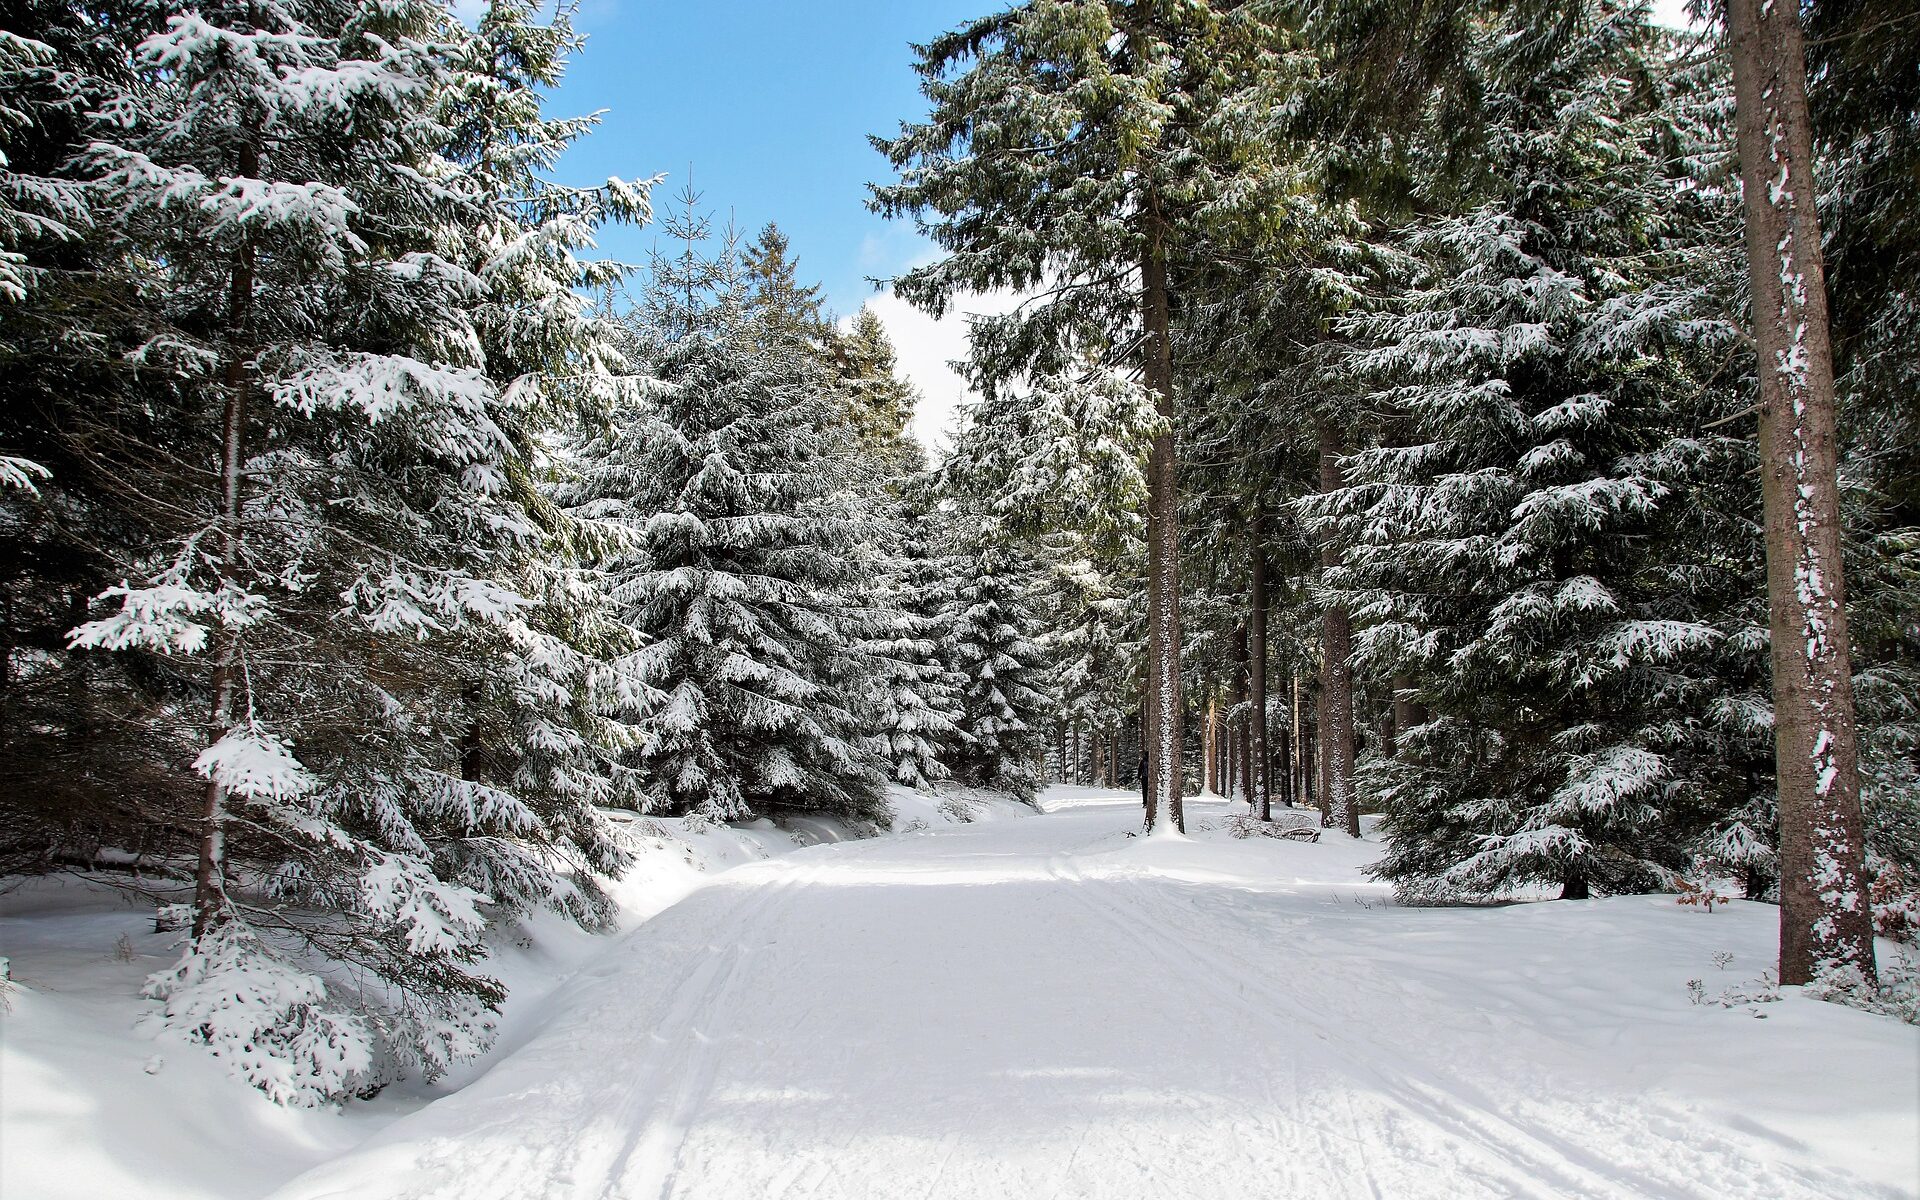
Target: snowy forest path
1050 1008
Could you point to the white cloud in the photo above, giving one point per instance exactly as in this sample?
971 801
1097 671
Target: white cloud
925 347
1674 14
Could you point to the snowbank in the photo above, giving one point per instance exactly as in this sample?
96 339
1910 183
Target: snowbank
93 1107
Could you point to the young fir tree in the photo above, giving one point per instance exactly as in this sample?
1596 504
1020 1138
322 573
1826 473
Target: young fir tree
334 202
878 401
1554 546
790 311
733 488
917 693
993 641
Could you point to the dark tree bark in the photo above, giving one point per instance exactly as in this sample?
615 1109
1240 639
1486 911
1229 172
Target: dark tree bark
1336 675
1258 776
1239 739
1826 921
1286 773
1163 707
210 873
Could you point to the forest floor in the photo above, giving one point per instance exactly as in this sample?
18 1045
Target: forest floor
1051 1008
1035 1007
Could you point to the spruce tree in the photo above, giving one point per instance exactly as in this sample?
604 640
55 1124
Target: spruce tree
341 264
733 488
993 643
1549 547
1076 148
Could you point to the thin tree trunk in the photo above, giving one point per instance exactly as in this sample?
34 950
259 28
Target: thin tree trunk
1242 722
1826 922
1163 706
1286 771
1311 794
1257 667
210 873
1210 735
1336 673
1297 775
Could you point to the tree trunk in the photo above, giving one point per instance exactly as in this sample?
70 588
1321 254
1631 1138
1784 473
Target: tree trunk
1574 887
1310 792
1826 922
1336 673
1241 742
210 873
1257 668
1208 734
1298 776
1163 705
1286 773
1407 712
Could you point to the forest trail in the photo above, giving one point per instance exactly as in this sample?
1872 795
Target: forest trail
1046 1008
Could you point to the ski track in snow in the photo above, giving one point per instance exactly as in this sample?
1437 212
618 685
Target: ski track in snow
1048 1009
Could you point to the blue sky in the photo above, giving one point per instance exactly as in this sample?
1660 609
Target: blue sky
771 104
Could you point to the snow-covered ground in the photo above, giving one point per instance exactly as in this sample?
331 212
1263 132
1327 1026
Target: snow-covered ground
92 1108
1049 1008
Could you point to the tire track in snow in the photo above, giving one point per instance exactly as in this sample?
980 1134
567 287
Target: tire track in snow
645 1166
1551 1161
1147 931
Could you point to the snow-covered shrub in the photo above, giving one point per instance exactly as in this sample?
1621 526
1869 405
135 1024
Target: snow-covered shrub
274 1025
957 809
1896 993
1896 901
1293 827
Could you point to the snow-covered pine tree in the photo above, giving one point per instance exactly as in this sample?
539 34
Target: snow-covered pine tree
344 270
734 489
1557 549
878 401
916 691
1088 622
1076 150
993 639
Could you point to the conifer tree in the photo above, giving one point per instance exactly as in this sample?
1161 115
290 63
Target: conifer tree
917 692
1550 548
790 310
1076 148
993 638
879 402
341 266
1826 921
734 488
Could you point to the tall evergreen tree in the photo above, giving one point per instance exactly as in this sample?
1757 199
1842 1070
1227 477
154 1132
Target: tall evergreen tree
734 487
1549 548
1826 921
1076 148
341 272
